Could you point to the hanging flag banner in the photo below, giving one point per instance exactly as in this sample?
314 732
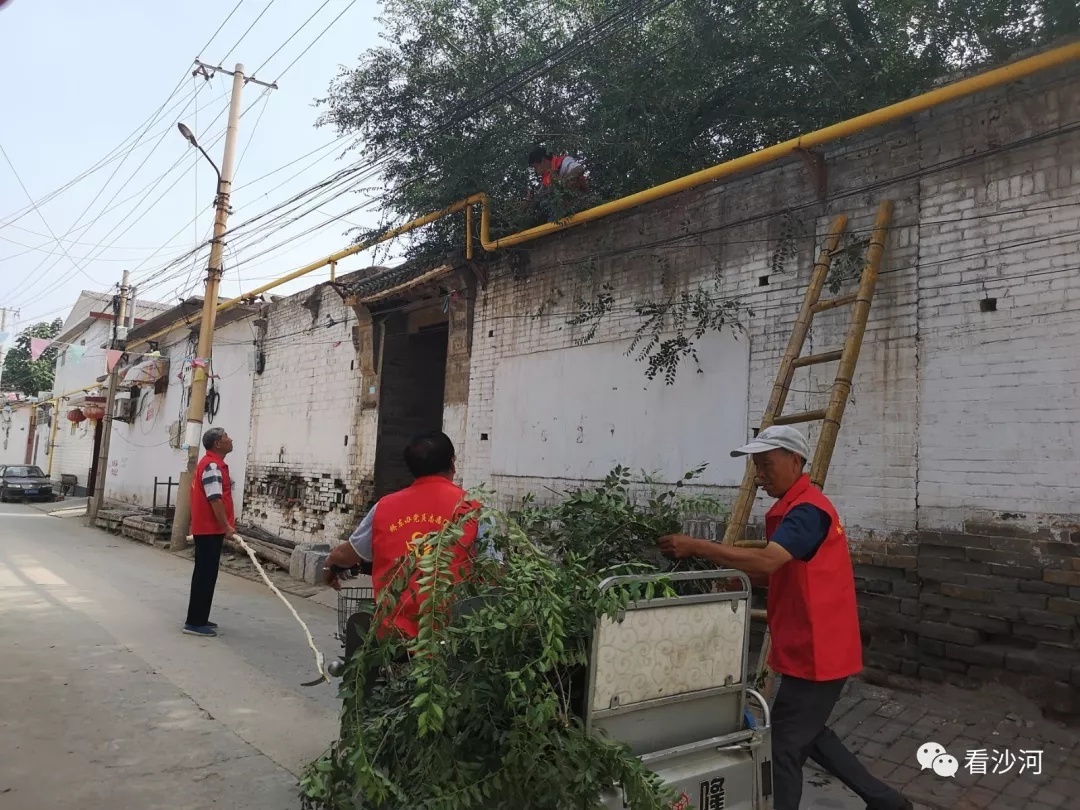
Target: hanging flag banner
112 357
38 346
3 338
75 353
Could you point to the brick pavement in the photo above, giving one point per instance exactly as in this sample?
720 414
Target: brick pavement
886 727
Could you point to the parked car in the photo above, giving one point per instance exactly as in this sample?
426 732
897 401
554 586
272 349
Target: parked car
22 482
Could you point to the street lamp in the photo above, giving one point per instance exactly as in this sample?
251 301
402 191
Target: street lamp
189 136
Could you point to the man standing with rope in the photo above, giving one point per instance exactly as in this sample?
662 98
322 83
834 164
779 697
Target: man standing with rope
212 518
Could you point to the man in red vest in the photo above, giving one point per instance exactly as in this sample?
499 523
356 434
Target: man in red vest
567 169
212 517
813 617
396 527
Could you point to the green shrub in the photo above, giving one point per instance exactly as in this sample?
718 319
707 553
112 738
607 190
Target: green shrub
488 711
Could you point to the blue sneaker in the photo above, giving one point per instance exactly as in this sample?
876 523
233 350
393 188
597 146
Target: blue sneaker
212 625
206 632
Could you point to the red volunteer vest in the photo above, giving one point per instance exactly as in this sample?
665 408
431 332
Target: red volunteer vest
402 521
813 613
556 163
202 516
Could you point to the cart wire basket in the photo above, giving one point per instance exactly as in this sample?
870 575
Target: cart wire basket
351 601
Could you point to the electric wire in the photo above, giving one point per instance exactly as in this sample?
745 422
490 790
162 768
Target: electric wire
145 192
39 249
223 24
251 138
294 34
156 278
130 223
312 44
33 273
77 242
944 165
923 172
114 154
588 38
293 162
145 127
155 274
110 155
629 314
248 31
42 216
496 86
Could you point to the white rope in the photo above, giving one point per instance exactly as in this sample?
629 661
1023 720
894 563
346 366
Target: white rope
311 641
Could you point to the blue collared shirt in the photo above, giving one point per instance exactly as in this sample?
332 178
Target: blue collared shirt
802 531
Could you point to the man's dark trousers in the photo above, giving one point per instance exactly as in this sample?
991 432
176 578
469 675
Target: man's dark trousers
204 577
799 731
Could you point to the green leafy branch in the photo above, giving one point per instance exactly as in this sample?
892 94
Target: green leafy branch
485 707
787 248
592 313
691 317
847 262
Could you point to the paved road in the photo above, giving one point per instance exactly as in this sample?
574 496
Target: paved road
105 704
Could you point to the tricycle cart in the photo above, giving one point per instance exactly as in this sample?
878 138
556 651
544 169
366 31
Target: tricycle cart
670 678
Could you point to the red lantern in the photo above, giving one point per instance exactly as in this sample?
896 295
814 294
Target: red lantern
94 411
76 417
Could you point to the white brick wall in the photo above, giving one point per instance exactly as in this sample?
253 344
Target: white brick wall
141 451
955 411
998 415
305 446
14 431
74 451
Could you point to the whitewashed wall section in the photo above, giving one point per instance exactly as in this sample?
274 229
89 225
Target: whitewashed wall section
576 413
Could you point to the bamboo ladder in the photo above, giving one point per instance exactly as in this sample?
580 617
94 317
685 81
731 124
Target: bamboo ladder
832 415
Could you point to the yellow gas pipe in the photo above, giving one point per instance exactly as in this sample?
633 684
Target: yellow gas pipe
52 436
845 129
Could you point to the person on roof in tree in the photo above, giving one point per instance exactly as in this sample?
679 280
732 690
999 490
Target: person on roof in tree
558 168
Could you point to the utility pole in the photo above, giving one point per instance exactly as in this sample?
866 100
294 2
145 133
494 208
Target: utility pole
118 340
197 400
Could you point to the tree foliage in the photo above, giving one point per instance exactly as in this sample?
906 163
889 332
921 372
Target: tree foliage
29 376
488 711
669 92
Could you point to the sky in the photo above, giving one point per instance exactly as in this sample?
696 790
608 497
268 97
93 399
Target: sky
111 79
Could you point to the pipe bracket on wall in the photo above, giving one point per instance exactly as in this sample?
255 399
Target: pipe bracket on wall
815 165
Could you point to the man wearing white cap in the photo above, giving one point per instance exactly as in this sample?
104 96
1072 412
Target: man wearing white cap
813 617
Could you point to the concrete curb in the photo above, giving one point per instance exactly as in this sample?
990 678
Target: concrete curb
65 505
145 530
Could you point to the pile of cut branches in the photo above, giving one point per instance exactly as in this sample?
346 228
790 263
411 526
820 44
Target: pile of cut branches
486 711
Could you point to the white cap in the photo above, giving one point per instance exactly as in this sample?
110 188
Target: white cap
776 437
